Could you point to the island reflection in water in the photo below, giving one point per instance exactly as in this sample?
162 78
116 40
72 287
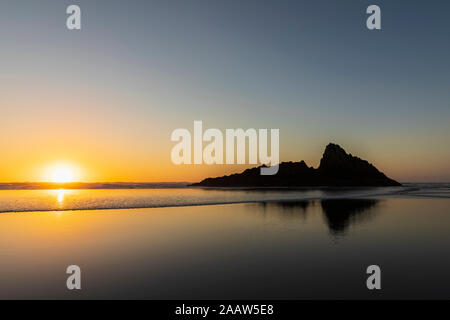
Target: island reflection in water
339 214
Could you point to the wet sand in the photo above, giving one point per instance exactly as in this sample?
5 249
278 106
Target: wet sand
285 250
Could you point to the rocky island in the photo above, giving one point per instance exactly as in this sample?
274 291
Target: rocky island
337 168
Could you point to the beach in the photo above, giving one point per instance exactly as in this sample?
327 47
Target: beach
285 249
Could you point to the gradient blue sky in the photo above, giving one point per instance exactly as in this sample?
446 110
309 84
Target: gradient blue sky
137 70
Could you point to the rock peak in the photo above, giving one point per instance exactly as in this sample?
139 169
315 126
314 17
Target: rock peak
334 156
333 147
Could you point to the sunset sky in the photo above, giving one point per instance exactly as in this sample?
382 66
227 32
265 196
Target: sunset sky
105 99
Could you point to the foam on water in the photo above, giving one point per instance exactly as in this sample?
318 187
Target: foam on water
122 198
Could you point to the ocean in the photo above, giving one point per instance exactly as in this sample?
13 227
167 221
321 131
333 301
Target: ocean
188 243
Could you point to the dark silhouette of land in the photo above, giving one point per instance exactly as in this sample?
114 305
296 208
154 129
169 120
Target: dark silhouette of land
89 185
337 168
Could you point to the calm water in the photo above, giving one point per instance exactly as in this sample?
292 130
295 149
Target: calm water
317 246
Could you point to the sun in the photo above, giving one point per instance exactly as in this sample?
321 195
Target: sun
61 172
61 175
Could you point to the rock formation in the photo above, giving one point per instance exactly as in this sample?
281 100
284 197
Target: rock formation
337 168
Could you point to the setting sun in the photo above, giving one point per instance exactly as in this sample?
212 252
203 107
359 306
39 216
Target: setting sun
62 175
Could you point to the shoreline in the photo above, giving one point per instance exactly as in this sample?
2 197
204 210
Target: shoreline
223 203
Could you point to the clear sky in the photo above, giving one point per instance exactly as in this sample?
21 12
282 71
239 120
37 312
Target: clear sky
105 99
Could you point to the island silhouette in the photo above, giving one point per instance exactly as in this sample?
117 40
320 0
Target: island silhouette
337 168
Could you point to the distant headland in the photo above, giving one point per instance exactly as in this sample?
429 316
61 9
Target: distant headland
337 168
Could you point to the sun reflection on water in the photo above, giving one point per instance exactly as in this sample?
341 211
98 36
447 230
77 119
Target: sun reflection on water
60 196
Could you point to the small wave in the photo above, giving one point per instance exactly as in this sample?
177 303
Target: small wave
98 203
75 200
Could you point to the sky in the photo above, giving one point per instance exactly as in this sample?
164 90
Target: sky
105 99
